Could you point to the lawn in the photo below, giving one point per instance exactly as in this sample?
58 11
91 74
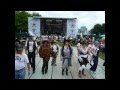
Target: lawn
102 55
61 44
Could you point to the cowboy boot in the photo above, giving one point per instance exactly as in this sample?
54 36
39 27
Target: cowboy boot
66 71
79 73
83 73
62 71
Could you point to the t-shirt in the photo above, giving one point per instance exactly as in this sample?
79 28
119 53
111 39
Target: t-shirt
31 45
95 51
78 44
91 46
54 48
20 61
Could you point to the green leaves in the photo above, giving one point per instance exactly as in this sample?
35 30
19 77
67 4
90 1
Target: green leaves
21 20
98 29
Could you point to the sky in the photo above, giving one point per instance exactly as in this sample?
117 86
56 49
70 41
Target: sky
85 18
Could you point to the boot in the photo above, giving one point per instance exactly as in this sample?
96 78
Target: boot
83 73
79 73
42 70
66 71
62 71
52 63
45 71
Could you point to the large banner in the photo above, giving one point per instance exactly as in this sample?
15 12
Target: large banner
34 27
72 28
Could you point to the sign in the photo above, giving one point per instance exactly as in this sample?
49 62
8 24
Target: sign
72 28
34 27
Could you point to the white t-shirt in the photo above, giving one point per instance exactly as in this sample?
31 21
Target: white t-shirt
95 50
78 44
20 61
54 48
31 45
91 47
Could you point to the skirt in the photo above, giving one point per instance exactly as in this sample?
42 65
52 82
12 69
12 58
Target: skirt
65 63
85 61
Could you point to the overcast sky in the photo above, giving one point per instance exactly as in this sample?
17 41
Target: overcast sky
85 18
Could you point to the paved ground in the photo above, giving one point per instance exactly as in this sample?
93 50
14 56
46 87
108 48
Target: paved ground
54 72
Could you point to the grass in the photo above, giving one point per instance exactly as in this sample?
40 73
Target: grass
61 44
102 55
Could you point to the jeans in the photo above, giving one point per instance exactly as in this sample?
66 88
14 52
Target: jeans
20 74
32 62
94 67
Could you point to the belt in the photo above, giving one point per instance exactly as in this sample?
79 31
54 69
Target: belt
19 70
85 56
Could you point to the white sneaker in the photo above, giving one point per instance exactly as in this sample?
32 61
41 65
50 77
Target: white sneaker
68 70
94 72
91 72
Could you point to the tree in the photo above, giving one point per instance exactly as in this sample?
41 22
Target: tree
98 29
103 29
36 14
21 20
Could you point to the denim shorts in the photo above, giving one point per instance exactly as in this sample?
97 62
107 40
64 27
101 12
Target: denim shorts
20 74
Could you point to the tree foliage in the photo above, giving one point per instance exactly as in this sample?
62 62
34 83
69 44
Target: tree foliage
98 29
21 20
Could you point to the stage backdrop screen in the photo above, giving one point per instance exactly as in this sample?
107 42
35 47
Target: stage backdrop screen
34 27
72 28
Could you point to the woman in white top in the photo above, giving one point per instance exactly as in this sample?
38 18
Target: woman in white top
82 58
21 60
90 56
95 56
55 49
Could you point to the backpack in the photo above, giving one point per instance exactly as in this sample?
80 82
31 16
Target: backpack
63 49
34 46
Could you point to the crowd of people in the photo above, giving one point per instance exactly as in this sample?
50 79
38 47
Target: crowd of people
88 52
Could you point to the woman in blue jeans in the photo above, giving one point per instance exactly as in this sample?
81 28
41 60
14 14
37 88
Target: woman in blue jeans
95 56
21 60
